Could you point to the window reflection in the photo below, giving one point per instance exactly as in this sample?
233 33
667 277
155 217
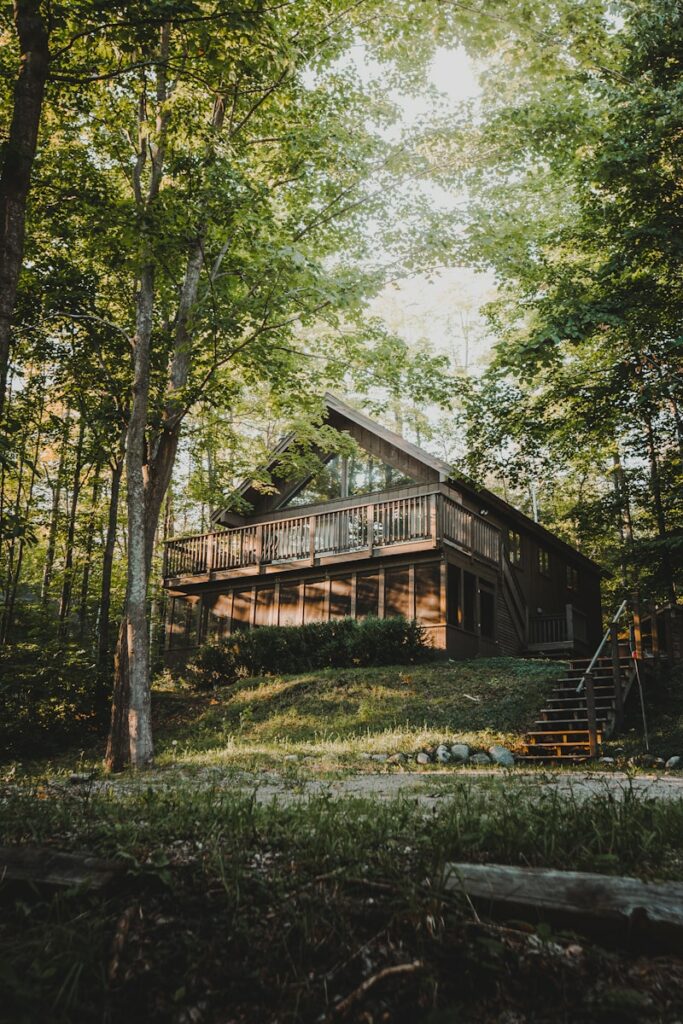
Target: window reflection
343 477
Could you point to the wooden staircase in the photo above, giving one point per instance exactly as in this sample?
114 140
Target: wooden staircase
562 733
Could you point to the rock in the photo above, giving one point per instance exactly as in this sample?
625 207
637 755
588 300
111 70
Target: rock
659 762
379 757
606 760
480 758
423 758
397 759
443 755
291 757
673 762
460 753
502 756
646 761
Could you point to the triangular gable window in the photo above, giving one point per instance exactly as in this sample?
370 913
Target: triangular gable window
346 477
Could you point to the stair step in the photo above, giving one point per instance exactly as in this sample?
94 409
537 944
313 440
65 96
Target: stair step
560 743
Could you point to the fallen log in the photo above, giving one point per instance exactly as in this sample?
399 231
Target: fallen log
626 910
43 867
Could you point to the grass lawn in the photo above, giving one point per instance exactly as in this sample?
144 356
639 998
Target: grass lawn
235 911
331 718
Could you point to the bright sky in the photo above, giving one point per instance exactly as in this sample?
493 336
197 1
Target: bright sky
443 310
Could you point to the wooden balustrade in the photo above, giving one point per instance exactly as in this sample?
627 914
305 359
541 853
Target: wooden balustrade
423 517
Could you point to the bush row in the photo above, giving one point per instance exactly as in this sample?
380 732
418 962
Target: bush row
289 649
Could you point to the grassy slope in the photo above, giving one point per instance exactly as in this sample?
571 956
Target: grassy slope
333 717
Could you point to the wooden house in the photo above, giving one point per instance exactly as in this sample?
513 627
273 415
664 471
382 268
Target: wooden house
388 531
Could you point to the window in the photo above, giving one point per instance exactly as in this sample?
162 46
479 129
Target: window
572 578
324 485
343 477
514 547
543 562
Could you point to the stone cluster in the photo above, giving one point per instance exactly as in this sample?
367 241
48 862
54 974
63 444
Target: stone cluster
453 754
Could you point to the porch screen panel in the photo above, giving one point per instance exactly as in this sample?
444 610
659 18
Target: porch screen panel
177 623
455 611
265 600
241 610
470 602
487 613
290 614
397 592
218 621
367 595
314 601
428 593
340 598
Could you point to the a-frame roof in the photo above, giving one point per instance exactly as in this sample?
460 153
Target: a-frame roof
341 414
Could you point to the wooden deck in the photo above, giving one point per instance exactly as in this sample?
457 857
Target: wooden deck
363 530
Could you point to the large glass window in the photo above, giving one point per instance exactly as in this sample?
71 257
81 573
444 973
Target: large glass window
324 485
343 477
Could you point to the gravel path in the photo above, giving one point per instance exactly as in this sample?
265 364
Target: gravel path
425 787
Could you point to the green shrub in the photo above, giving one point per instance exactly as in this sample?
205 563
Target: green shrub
285 650
49 694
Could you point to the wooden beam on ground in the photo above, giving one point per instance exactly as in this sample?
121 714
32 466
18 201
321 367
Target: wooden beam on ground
44 867
624 909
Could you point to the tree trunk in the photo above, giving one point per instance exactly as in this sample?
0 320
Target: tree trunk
54 519
107 566
87 561
67 582
148 471
660 516
17 162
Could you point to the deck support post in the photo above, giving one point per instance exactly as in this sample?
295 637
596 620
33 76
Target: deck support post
637 631
592 720
616 677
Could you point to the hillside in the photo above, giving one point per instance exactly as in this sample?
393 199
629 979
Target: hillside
332 718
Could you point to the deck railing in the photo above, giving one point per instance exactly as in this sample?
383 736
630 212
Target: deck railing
564 629
422 517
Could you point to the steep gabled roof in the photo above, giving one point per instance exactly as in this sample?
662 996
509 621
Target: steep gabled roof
442 470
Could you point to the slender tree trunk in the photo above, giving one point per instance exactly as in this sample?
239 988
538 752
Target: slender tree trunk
108 564
67 583
87 561
148 470
660 515
54 519
17 162
16 575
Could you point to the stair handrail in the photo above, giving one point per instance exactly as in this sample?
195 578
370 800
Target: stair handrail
614 622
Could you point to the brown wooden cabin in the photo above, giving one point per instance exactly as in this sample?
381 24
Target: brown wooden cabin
387 532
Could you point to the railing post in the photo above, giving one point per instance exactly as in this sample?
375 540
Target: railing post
164 570
209 552
434 518
259 544
312 520
616 677
592 720
569 611
371 528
